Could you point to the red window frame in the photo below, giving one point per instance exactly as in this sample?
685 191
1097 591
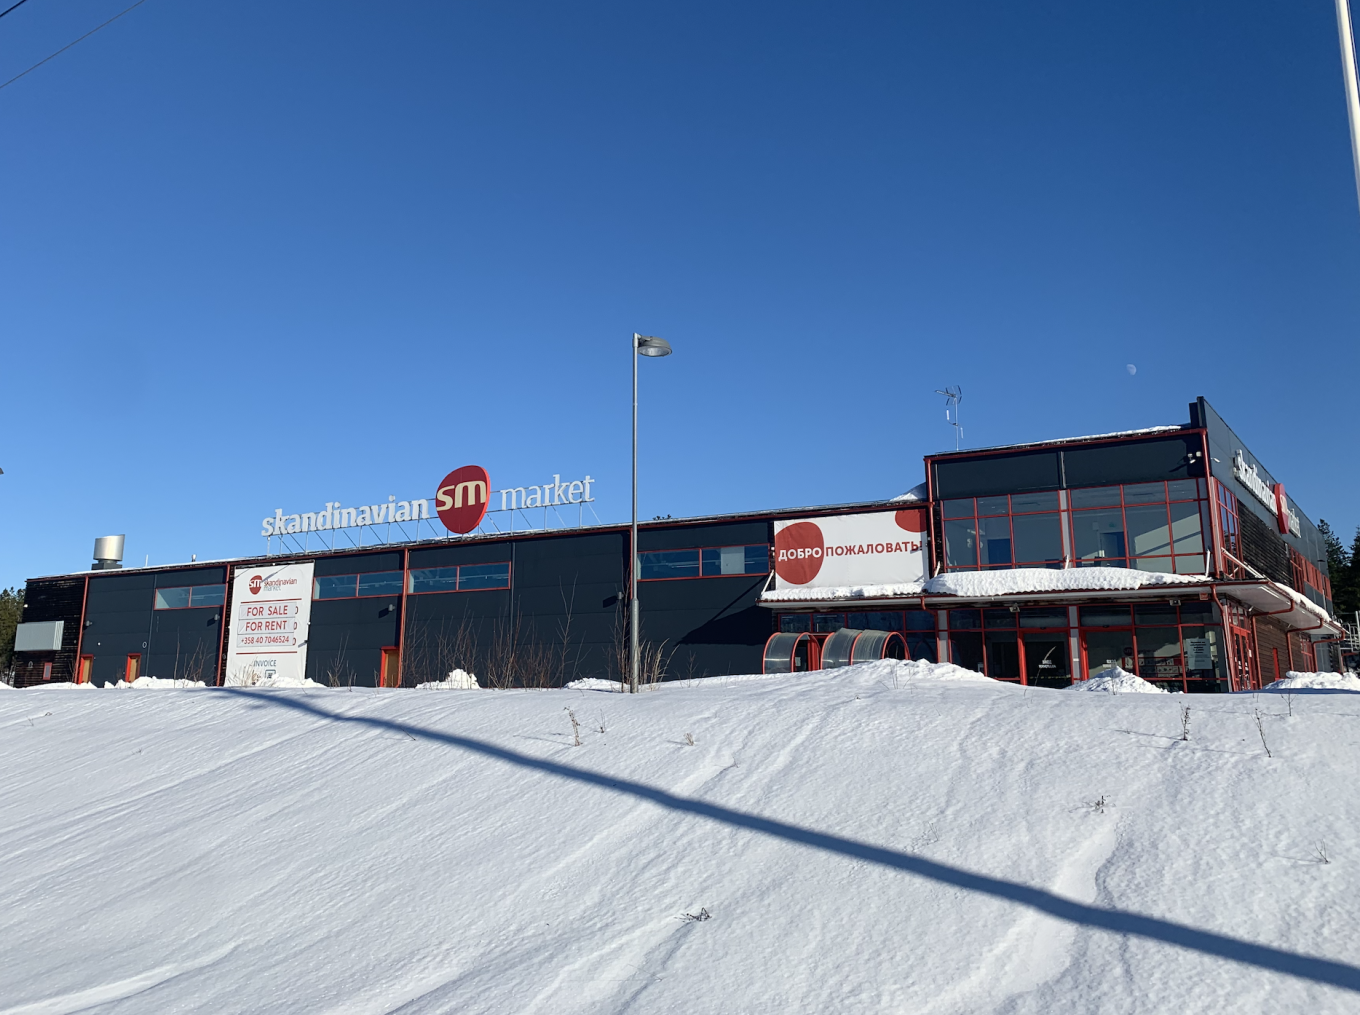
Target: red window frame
1020 631
1131 558
1010 513
356 595
700 551
409 584
173 588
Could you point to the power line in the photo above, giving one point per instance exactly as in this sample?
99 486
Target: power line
68 45
19 4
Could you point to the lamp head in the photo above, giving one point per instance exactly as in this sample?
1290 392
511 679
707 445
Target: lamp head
649 345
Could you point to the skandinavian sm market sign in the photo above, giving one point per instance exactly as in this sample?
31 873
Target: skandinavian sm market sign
1272 497
461 501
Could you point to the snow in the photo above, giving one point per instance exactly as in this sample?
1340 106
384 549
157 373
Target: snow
865 840
594 684
457 680
812 594
292 682
977 584
162 683
1040 579
1315 681
919 492
1113 680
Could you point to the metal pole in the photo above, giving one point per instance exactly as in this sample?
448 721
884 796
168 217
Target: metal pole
1343 25
633 546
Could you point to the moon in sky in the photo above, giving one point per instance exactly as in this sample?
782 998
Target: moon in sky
1130 368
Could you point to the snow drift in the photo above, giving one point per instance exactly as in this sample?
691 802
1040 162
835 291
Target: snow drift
864 840
1316 682
457 680
1113 680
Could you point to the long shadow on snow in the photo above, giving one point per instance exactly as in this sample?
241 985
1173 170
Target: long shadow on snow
1307 967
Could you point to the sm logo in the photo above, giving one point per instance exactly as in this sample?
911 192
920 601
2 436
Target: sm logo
255 582
463 498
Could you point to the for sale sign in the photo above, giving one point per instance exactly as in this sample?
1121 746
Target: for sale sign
271 608
880 548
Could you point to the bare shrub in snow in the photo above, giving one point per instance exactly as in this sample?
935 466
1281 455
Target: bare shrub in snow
575 729
1320 853
1185 722
698 917
1262 730
689 739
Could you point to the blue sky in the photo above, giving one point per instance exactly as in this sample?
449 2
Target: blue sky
269 255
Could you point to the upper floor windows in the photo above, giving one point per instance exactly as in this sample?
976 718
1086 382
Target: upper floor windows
1148 526
352 586
1155 526
1015 530
704 562
462 578
190 596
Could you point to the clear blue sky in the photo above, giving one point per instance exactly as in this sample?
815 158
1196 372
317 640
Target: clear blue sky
262 255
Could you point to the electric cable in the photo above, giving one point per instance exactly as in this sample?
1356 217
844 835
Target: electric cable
7 10
70 44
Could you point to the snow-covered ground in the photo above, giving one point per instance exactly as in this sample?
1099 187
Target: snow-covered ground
877 839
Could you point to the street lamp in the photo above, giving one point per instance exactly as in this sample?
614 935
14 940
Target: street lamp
643 345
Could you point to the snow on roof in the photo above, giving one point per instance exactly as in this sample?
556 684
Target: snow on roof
919 492
842 592
978 584
1069 440
1042 579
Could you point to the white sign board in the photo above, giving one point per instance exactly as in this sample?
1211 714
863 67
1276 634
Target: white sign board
271 608
882 548
1197 655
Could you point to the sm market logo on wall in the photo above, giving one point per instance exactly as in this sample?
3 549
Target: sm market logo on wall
880 548
461 502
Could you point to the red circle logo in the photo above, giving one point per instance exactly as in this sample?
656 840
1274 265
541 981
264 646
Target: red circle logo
798 552
255 582
912 520
463 498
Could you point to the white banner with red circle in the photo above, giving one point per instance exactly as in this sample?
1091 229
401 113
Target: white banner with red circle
834 551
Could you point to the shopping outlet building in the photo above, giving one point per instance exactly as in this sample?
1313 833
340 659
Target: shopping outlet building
1170 552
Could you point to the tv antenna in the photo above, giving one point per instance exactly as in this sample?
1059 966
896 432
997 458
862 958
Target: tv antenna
952 397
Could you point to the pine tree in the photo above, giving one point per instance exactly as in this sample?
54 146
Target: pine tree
1347 598
1338 560
11 613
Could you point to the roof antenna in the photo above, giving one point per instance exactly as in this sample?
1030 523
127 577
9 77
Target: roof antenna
952 397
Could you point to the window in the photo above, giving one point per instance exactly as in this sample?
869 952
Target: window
1173 646
1227 520
1148 526
1020 530
705 562
1026 644
190 596
462 578
350 586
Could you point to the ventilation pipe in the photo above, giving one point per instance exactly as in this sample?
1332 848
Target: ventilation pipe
108 553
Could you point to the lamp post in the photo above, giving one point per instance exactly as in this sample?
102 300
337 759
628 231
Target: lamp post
643 345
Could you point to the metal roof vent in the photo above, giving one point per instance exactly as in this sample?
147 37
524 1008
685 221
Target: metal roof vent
108 553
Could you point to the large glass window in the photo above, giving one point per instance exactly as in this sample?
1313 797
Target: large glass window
1148 526
461 578
1022 530
1175 646
190 596
705 562
1027 644
349 586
